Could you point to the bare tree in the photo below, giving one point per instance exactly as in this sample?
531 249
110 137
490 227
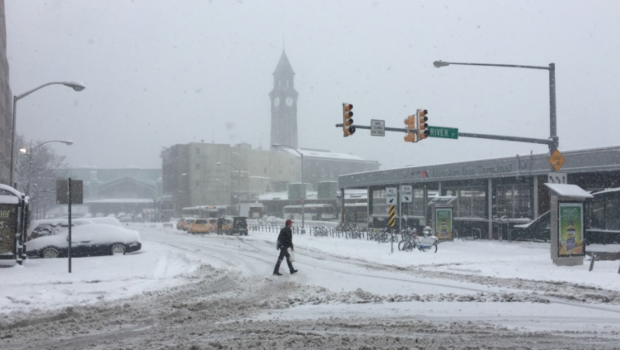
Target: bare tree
36 172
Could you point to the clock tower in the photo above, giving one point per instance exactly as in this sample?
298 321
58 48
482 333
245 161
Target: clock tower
284 104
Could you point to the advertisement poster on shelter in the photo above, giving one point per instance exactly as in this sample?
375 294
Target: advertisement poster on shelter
443 223
571 230
8 219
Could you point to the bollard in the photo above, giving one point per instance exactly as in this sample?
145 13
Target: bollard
592 262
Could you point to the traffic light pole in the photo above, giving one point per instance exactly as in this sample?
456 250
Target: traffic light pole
550 143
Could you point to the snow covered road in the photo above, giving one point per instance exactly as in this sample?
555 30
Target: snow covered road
214 292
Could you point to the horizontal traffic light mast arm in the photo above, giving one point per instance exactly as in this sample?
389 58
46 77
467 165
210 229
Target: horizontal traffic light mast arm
506 138
467 134
386 129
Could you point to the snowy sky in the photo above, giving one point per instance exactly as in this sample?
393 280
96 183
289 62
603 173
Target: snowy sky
159 73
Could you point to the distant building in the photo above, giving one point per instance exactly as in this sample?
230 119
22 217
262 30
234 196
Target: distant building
6 106
191 176
284 104
115 191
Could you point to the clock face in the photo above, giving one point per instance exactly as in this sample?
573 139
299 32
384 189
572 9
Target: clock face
276 101
289 101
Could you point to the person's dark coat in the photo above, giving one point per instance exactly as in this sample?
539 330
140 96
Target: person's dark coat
285 238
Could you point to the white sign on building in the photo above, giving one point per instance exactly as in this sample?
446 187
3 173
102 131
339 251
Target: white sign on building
406 194
391 195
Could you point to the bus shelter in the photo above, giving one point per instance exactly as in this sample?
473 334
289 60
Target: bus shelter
13 209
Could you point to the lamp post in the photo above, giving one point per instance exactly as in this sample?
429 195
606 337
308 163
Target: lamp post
75 86
238 183
276 145
552 111
29 152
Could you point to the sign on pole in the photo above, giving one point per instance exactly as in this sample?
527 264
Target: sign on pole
62 191
444 133
377 127
557 160
391 194
392 216
557 178
406 194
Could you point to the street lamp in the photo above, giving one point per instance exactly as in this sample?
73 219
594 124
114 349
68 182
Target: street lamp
276 145
75 86
553 145
238 183
29 152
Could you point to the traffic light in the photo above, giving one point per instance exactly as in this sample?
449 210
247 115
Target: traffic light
410 122
422 125
347 121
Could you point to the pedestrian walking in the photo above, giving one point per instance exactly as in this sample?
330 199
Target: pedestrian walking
220 222
285 241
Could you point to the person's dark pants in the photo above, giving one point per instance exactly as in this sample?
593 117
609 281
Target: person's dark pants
283 254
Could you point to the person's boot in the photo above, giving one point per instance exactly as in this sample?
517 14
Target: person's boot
290 267
276 270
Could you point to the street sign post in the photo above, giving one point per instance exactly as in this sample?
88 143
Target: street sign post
377 127
406 196
406 192
557 178
444 133
391 194
557 160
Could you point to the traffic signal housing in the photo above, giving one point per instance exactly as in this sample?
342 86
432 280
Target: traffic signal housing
422 125
410 122
347 120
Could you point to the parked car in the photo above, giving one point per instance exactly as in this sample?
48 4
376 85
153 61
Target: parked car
106 220
47 227
180 224
187 223
200 226
86 240
238 225
537 230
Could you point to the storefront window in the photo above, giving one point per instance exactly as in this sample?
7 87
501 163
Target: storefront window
470 202
514 201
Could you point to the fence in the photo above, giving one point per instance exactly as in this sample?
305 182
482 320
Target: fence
348 232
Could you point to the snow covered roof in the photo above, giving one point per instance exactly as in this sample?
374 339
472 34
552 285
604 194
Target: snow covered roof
7 199
441 200
348 194
313 153
607 190
11 190
120 200
568 190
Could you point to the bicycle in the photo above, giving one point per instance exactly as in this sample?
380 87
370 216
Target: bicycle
384 237
412 242
320 231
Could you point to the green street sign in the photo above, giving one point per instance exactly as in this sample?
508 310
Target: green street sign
444 133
